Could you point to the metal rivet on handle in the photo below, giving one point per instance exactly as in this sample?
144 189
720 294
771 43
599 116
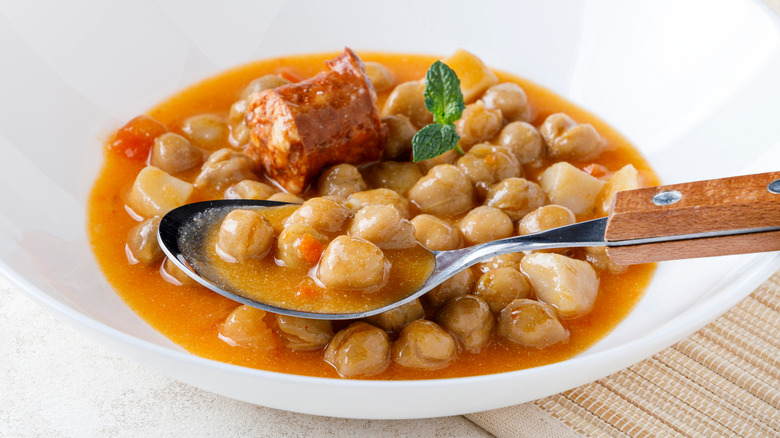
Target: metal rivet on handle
774 187
667 197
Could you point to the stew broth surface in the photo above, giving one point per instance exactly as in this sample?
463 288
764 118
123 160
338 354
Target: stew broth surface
191 315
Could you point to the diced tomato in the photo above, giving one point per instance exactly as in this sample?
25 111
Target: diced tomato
289 75
135 139
596 170
310 249
307 289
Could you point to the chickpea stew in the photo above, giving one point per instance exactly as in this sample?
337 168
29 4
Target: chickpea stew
532 161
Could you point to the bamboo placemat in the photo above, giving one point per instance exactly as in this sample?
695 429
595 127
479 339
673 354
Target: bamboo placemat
722 381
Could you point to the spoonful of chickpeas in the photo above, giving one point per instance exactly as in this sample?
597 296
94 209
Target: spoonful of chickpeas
327 259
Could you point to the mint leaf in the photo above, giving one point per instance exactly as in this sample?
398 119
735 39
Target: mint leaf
444 100
434 140
443 97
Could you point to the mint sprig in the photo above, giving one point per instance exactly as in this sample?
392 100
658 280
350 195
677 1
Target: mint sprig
444 100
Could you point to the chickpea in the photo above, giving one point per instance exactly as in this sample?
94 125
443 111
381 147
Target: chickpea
511 260
174 153
400 132
359 350
300 246
510 98
353 263
244 234
423 344
379 75
325 215
225 168
545 218
524 141
469 319
531 323
499 287
358 200
238 111
449 157
568 140
485 224
395 319
174 275
516 197
444 191
286 197
245 327
407 99
458 285
207 131
384 226
341 181
304 334
249 189
263 83
239 135
478 124
399 177
435 233
570 285
142 245
485 164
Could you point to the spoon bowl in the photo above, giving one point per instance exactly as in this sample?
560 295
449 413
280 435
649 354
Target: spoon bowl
639 229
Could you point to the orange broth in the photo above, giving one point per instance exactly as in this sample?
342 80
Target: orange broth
190 315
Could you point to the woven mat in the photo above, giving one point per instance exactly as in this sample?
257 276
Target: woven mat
722 381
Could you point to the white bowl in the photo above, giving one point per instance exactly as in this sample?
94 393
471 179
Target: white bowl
693 84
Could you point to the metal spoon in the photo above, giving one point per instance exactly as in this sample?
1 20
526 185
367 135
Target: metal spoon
707 218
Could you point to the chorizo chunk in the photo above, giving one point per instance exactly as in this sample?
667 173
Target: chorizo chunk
298 129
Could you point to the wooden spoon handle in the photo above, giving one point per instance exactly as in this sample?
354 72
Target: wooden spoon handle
750 202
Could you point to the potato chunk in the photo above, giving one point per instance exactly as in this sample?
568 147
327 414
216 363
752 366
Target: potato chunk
474 75
353 263
566 185
359 350
244 234
424 344
627 178
531 323
155 192
568 284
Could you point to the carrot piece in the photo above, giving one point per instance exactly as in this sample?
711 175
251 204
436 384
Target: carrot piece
310 249
135 139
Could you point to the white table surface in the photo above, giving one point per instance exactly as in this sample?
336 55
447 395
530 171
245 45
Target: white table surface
56 382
